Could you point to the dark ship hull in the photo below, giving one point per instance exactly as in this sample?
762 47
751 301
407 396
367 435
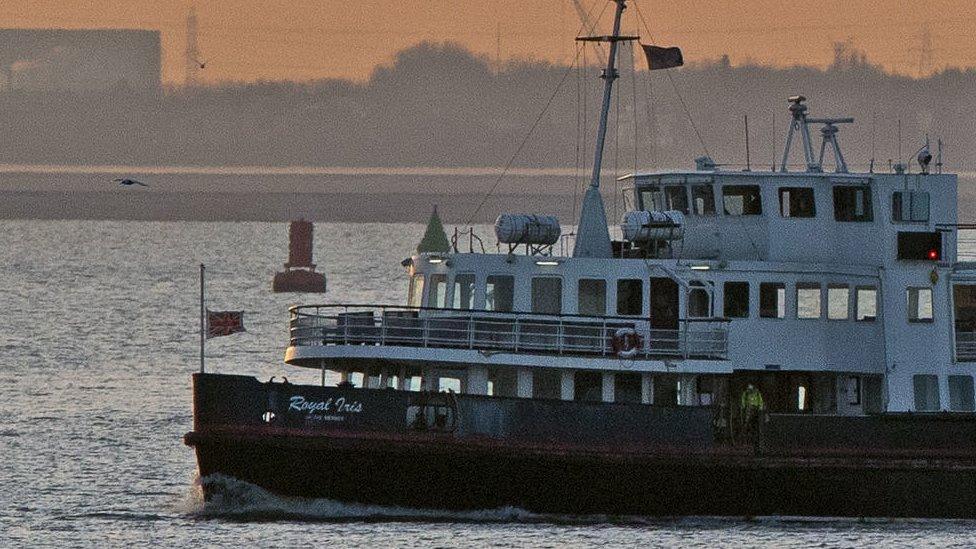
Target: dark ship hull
466 452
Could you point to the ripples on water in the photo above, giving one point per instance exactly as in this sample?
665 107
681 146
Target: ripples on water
98 335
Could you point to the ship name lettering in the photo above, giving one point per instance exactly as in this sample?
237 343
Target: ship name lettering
298 403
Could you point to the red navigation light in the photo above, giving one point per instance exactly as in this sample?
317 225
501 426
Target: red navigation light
933 254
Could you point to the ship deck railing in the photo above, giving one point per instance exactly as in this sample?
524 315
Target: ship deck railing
508 332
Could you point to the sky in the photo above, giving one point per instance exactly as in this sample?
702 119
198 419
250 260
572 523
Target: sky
248 40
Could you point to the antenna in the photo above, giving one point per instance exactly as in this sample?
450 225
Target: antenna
748 163
192 49
498 47
899 140
772 139
873 140
938 158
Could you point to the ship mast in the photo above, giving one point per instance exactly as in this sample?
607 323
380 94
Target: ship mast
593 235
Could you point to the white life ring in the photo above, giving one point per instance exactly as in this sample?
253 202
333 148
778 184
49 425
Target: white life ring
626 343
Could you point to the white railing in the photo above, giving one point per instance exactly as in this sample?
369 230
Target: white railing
488 331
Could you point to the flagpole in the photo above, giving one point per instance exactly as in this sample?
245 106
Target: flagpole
202 318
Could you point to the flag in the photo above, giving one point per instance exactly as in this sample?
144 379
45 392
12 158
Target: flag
662 58
224 323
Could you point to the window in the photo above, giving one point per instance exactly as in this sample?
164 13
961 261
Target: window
650 198
808 300
854 390
463 297
867 304
852 203
499 293
796 202
703 198
630 297
438 291
737 299
919 246
919 304
961 393
699 301
909 206
741 200
415 294
837 302
592 297
547 295
677 198
926 393
772 300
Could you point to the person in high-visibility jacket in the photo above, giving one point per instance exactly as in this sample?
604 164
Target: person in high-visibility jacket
752 407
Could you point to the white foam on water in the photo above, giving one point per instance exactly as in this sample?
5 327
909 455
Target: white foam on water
233 498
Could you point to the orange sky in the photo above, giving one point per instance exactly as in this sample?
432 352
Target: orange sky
304 39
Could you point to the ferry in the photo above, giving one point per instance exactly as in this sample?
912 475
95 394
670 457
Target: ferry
793 342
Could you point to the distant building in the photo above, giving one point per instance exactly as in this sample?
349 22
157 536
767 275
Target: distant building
79 60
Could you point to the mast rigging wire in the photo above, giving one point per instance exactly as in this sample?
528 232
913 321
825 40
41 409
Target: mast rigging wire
677 91
525 139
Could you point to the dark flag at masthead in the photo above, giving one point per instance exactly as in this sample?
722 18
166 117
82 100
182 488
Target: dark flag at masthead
662 58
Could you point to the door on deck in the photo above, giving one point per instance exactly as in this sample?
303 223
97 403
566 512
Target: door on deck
664 313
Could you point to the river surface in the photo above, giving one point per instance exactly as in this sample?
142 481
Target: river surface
99 335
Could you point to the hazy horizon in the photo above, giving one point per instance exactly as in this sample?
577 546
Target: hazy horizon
307 40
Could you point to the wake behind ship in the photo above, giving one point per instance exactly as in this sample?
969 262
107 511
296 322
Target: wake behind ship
756 343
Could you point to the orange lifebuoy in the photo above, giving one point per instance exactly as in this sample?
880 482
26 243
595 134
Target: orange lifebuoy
626 343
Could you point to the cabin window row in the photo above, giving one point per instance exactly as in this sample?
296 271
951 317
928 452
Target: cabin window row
841 302
852 203
927 393
546 294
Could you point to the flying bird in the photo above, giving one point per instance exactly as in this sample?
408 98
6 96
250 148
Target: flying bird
129 182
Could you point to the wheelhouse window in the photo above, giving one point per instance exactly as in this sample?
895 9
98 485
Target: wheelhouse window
651 199
677 198
736 299
961 393
438 291
742 200
592 297
909 206
463 297
922 246
703 199
499 293
919 304
797 202
699 301
547 295
630 297
772 300
415 294
808 300
926 393
852 203
838 299
867 304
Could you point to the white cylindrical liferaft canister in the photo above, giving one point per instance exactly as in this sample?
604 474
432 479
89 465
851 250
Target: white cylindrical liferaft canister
527 229
644 226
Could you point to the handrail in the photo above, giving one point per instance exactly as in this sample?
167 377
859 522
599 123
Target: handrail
634 318
515 332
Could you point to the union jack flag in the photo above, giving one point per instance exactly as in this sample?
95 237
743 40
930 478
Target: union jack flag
224 323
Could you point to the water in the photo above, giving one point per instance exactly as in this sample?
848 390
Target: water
98 335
